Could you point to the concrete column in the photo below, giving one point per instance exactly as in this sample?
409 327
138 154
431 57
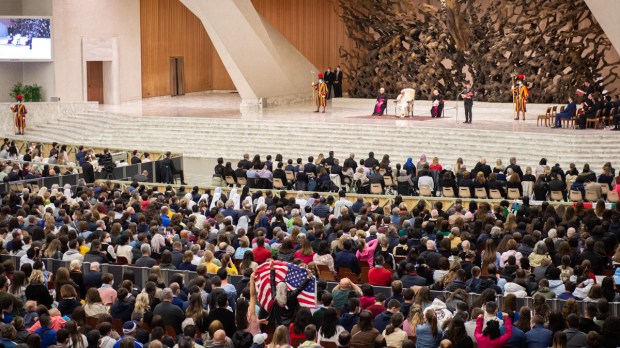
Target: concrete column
266 69
608 18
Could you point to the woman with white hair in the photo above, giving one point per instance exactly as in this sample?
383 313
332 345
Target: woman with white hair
539 254
158 243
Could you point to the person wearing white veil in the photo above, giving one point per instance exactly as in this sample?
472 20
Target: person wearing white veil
235 198
260 201
204 197
67 191
301 200
190 201
242 223
216 197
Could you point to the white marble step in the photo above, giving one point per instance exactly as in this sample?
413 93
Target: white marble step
334 135
229 138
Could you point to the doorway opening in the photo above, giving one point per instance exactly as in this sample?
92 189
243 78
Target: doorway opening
177 76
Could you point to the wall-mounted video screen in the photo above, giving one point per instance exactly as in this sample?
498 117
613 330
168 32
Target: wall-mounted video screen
25 38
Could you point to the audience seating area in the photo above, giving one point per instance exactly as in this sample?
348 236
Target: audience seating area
467 248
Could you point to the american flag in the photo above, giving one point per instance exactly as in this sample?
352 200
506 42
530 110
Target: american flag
290 273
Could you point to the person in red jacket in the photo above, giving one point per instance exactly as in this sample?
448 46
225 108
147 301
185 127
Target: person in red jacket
490 337
378 275
261 254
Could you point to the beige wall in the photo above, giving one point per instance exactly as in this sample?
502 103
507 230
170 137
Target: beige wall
77 19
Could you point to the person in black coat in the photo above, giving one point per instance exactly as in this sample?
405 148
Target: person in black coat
92 278
222 314
448 181
515 167
123 307
467 182
557 185
168 163
69 300
36 291
310 167
371 161
88 172
495 184
591 106
540 189
338 77
279 173
481 166
515 183
330 77
336 168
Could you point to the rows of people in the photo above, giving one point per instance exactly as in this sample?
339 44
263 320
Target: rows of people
508 250
319 174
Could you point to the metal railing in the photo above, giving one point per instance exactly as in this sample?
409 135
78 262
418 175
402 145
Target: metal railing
141 274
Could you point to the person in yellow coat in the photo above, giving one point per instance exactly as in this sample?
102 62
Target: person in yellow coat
521 94
20 115
320 93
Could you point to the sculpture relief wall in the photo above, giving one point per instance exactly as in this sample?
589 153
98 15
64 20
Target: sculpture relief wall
399 43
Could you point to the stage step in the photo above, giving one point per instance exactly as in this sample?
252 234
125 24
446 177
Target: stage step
230 138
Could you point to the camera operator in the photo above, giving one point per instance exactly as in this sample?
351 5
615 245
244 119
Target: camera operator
106 163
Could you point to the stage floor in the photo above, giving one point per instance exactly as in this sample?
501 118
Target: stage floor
225 104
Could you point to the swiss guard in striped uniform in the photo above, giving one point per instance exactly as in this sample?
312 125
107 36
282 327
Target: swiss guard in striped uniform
521 94
20 115
320 93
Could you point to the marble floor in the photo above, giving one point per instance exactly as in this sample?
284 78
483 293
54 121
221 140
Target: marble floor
225 104
495 117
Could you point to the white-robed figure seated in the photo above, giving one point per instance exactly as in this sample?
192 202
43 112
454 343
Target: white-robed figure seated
402 103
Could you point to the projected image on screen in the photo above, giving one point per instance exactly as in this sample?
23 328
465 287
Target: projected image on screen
25 39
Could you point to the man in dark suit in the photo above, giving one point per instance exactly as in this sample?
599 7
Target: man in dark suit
557 185
280 174
330 159
481 166
371 162
593 105
89 171
350 162
515 167
168 163
92 279
338 82
330 77
310 167
135 157
337 169
240 172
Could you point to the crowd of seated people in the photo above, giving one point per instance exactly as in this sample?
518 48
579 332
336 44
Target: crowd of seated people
513 251
319 174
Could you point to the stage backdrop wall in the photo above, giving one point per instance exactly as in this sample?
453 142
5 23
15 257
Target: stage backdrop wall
168 29
556 44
